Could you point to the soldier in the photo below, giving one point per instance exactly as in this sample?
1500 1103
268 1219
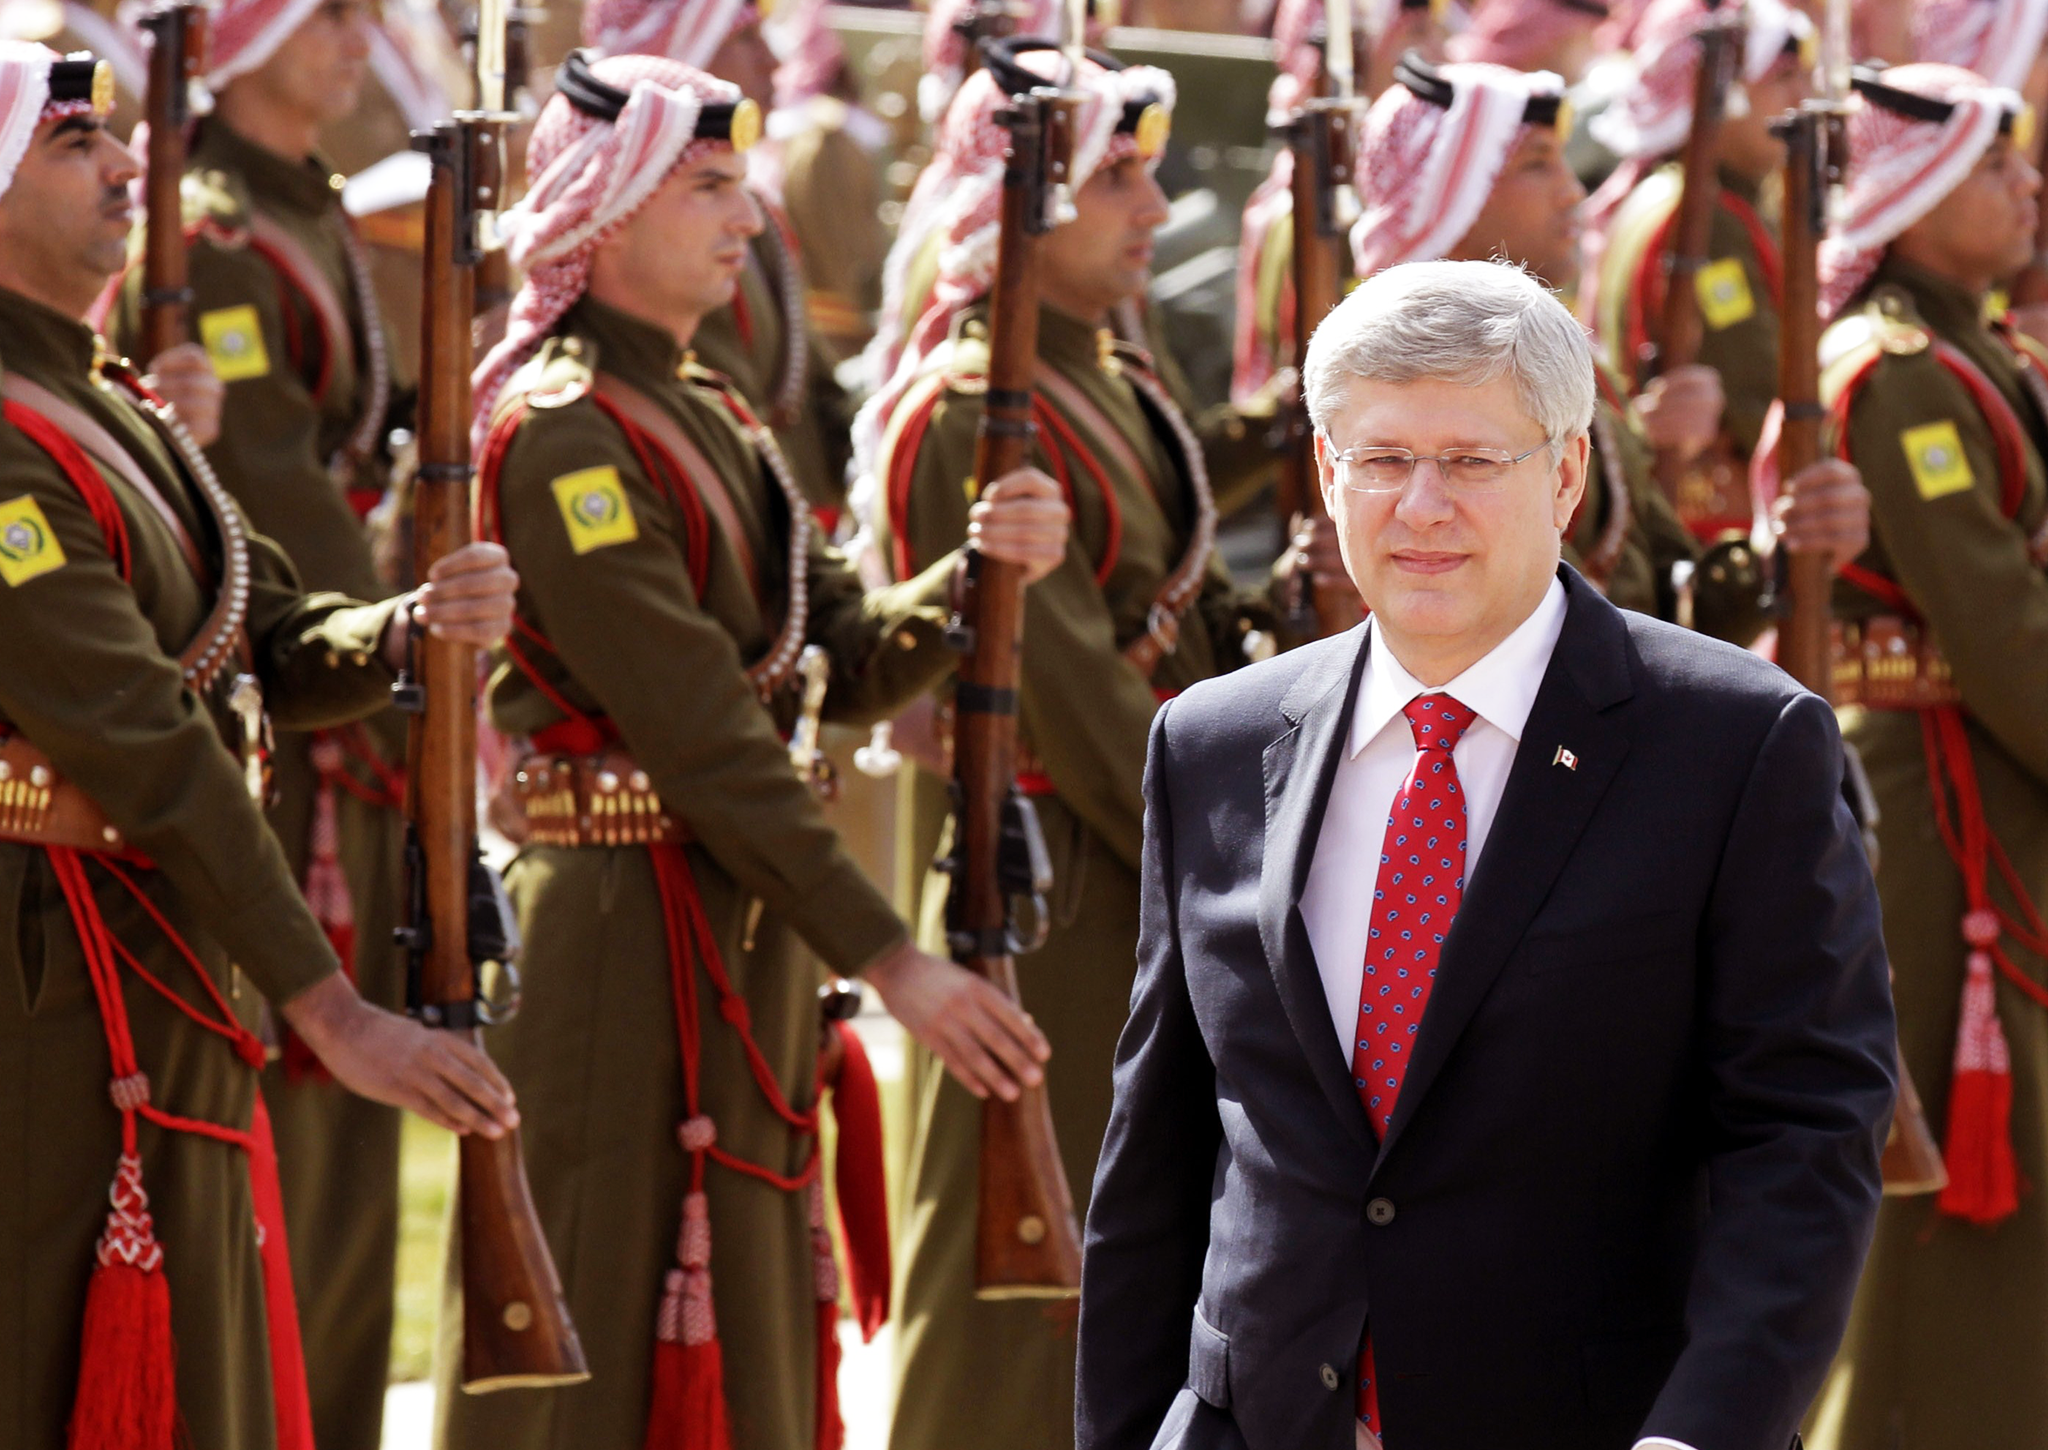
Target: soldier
1534 35
1264 348
674 585
1942 663
142 626
1465 161
763 341
1138 610
1629 222
283 304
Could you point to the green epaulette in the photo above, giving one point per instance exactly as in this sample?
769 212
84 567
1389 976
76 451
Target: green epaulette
217 204
559 374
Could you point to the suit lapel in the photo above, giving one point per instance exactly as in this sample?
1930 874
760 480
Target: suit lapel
1543 811
1299 768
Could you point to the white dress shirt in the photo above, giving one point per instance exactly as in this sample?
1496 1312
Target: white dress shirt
1336 905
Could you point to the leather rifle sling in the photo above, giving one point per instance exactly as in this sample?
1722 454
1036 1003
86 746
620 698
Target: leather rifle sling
1076 404
650 418
309 279
86 431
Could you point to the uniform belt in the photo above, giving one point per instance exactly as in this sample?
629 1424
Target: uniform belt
592 800
41 808
1887 662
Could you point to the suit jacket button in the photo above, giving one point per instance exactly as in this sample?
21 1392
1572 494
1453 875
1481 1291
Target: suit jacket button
1331 1379
1380 1212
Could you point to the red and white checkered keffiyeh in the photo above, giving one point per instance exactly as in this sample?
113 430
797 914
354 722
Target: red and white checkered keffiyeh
1520 34
1901 169
243 34
589 178
686 30
1998 39
1296 51
807 52
959 198
25 101
1653 114
1426 170
945 48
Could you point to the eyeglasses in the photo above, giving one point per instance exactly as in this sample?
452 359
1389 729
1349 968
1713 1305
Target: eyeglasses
1375 468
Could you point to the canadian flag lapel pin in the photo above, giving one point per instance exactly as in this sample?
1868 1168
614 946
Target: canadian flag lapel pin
1565 758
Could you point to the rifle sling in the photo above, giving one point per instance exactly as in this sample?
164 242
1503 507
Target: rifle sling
307 277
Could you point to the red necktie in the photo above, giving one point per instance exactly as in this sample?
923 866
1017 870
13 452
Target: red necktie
1421 881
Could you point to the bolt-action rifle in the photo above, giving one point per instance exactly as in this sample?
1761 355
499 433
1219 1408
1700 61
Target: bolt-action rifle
177 41
1319 134
1680 329
1816 156
1027 1242
516 1325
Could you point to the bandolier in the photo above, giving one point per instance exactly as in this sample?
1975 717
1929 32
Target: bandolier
1140 610
1940 667
284 303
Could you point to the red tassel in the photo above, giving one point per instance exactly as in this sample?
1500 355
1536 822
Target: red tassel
687 1409
861 1184
127 1377
292 1401
1983 1176
831 1426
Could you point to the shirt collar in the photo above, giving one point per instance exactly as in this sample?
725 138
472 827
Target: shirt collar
1500 687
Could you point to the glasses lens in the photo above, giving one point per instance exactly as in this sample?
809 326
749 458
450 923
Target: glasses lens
1380 470
1477 471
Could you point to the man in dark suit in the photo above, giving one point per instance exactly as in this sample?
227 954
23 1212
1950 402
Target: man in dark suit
1582 1158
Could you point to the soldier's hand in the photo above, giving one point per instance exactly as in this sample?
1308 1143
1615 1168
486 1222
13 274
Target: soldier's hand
468 595
986 1041
1681 410
1825 509
1021 519
390 1059
185 377
1314 548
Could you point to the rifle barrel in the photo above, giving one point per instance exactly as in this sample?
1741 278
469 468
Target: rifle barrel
1804 648
176 32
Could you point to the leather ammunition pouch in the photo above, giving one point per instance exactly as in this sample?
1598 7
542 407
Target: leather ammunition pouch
41 808
592 800
1886 662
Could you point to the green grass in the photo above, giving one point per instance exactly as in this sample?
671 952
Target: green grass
426 1177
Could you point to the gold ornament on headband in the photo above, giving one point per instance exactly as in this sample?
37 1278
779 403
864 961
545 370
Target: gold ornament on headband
1563 124
1809 50
746 124
2023 129
1154 126
1438 10
103 88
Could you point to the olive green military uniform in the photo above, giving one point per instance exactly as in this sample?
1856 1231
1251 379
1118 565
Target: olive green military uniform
291 401
1737 292
88 675
1628 540
751 343
1948 1341
831 189
594 1052
1000 1375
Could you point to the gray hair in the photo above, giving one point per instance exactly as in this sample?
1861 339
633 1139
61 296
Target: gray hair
1458 322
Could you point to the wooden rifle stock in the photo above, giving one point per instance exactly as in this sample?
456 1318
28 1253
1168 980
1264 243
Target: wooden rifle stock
1319 135
1814 152
177 39
516 1325
1027 1243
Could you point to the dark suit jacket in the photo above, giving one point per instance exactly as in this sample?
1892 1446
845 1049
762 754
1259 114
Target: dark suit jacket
1633 1169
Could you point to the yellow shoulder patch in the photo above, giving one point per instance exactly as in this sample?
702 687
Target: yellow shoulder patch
1724 293
1934 451
595 509
28 545
234 343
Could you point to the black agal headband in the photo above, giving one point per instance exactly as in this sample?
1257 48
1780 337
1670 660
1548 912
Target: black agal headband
1144 117
738 122
81 76
1428 83
1869 84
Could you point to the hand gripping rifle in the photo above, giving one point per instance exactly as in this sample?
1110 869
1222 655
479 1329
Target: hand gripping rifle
516 1326
1816 155
1319 135
177 43
1680 326
1026 1241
